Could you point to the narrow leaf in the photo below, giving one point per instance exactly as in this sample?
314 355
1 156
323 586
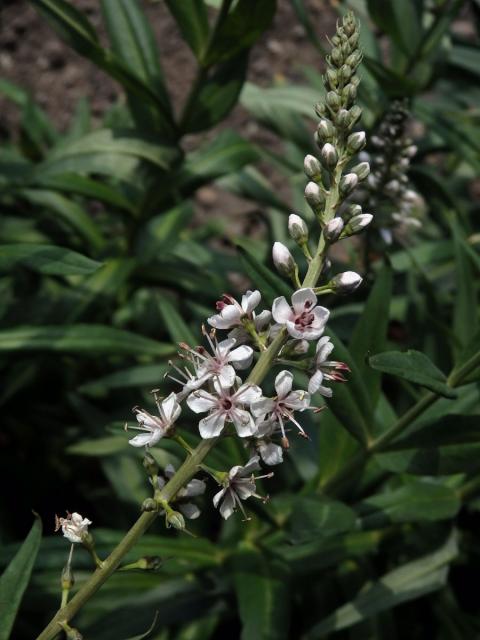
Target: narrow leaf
46 259
192 19
315 517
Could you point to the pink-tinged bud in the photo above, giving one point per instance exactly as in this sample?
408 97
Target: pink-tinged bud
312 167
314 195
358 223
283 259
356 141
333 229
297 229
348 183
345 282
329 156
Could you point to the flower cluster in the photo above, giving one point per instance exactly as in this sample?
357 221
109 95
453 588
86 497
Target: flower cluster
398 206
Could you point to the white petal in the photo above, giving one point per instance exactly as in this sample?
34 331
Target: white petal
171 408
313 332
189 510
271 453
266 428
200 401
227 376
262 320
161 482
297 400
241 357
244 423
244 488
281 310
228 505
323 350
247 394
252 465
315 381
262 406
302 296
144 439
250 300
145 418
212 425
283 383
296 332
218 496
321 315
225 346
169 471
195 488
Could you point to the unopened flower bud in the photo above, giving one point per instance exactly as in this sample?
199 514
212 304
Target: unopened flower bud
343 119
348 183
333 101
297 229
314 195
331 78
325 131
358 223
312 167
333 229
149 505
320 109
355 114
353 40
361 170
345 72
295 348
175 519
283 259
410 151
356 141
329 156
336 56
150 464
354 59
345 282
349 94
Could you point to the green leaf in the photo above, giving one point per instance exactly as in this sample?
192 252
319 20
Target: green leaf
217 96
161 234
176 326
147 632
192 19
140 377
400 20
416 502
133 41
369 334
465 309
414 367
450 444
240 29
315 517
263 278
16 577
250 183
86 339
262 589
46 259
408 582
466 58
99 447
294 99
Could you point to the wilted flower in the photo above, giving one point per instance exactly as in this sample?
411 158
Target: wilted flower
74 526
231 312
325 369
281 408
193 489
226 405
155 427
239 484
305 320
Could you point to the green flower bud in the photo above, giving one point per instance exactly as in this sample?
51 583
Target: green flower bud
361 170
356 141
354 59
175 519
342 119
349 24
353 210
149 505
349 94
333 101
336 57
312 167
331 78
329 156
314 195
358 223
150 464
353 40
355 115
333 229
345 282
297 229
320 109
345 73
325 131
283 259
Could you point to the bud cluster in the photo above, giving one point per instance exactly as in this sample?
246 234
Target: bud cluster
388 189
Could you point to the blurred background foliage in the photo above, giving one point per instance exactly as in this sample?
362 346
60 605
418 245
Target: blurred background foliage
107 262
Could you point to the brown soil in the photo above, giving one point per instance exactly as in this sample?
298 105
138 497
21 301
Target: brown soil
33 57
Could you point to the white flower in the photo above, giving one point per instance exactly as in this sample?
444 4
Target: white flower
325 369
238 485
221 363
231 312
304 320
193 489
155 427
260 324
270 452
281 408
226 405
74 526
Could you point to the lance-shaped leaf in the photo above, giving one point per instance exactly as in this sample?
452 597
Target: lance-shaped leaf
262 589
16 577
315 517
407 582
419 501
147 632
370 331
176 326
449 445
46 259
415 367
192 19
87 339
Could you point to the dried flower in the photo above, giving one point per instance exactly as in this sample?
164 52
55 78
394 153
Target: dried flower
74 526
